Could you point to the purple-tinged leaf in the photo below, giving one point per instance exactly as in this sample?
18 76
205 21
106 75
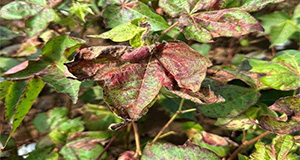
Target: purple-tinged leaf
247 5
227 22
187 66
162 151
131 78
284 125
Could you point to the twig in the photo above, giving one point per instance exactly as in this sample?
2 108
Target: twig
167 134
138 152
167 30
170 121
246 143
110 142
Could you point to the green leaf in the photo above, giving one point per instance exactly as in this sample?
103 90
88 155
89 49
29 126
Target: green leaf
27 98
57 116
57 77
5 36
237 100
4 87
282 32
157 151
19 9
138 40
282 72
86 149
202 48
270 20
283 125
81 10
12 97
65 129
40 122
280 148
296 14
121 33
55 48
126 11
39 22
43 154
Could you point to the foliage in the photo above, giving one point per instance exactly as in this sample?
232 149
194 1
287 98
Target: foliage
227 72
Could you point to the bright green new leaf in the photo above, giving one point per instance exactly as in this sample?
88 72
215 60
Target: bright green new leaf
81 10
158 151
282 73
121 33
116 14
281 32
57 77
138 40
39 22
19 9
26 100
296 14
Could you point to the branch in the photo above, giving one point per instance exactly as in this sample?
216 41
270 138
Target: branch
246 143
167 30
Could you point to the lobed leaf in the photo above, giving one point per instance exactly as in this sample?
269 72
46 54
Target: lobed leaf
282 73
125 11
282 32
285 125
132 78
159 151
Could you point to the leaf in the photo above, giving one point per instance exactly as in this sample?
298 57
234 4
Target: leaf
126 11
241 122
282 72
139 39
247 5
13 94
289 106
86 148
169 151
40 122
57 77
121 33
65 129
237 100
5 36
80 10
40 22
281 32
56 49
27 98
280 148
43 154
270 20
17 10
4 87
132 78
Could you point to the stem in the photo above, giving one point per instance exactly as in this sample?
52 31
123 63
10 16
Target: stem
170 121
138 152
167 30
110 142
167 134
246 143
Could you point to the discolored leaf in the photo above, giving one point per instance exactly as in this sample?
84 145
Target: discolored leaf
159 151
4 87
237 100
132 78
86 148
241 122
125 11
283 125
19 10
282 72
247 5
57 77
280 148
